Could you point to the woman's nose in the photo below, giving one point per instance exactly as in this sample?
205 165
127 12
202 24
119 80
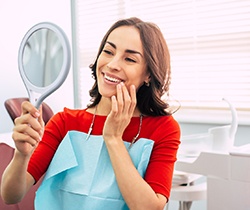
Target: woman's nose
115 64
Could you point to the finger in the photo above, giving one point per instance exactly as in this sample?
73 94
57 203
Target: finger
133 98
30 121
27 107
126 99
114 106
119 97
25 133
40 119
23 138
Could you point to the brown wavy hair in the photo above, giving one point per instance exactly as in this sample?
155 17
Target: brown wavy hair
156 53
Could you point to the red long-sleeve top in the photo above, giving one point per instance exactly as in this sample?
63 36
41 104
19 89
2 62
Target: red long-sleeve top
163 130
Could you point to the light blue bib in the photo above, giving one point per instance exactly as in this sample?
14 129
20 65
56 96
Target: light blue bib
81 177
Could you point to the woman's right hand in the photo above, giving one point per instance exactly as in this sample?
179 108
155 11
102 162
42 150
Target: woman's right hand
28 129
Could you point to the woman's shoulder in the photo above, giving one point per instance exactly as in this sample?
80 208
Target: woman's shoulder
162 127
70 119
71 112
159 121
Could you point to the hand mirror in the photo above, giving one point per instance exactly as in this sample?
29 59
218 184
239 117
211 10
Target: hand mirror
43 60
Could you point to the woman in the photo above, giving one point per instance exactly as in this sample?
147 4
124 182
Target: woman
119 152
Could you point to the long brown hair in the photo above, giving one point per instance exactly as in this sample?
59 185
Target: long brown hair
157 58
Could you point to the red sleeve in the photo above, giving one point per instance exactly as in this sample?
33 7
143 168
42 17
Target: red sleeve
55 131
43 154
161 166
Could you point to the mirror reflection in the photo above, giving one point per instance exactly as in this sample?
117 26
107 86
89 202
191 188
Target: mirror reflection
42 57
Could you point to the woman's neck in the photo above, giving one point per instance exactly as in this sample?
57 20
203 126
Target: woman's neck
104 106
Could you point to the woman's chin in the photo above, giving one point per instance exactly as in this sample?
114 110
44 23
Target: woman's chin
107 94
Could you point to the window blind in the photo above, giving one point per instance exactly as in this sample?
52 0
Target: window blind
91 20
209 43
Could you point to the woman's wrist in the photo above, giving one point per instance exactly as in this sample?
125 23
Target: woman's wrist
20 157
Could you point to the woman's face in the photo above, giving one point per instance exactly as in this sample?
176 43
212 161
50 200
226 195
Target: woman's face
121 60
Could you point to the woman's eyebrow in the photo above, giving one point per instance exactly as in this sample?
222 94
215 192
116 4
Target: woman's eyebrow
128 50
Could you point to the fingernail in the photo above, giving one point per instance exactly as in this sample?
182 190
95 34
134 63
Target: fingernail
119 86
37 114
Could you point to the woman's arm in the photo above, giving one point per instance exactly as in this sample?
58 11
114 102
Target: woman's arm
27 132
16 181
135 190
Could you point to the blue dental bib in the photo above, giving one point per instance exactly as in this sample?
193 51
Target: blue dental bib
81 177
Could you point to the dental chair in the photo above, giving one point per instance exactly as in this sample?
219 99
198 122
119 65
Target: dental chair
27 203
187 188
190 187
13 107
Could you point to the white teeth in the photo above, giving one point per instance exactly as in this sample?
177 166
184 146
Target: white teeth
112 79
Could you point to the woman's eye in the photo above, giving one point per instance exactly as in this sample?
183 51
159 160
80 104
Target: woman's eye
130 60
107 52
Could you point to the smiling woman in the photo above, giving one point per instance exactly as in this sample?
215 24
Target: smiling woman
116 149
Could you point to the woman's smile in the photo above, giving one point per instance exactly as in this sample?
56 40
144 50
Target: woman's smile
111 79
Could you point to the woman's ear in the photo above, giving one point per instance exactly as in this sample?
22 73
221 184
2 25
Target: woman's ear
147 77
147 81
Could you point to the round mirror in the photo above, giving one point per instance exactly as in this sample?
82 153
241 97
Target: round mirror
43 60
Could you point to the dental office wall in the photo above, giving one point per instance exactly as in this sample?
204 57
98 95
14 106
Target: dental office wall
16 18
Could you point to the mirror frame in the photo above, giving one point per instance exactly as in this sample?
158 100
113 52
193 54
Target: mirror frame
38 94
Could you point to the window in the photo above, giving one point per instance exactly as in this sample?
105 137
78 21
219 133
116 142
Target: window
209 42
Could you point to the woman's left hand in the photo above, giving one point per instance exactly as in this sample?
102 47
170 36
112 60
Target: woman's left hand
123 106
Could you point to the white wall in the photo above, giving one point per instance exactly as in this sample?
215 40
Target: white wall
16 18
